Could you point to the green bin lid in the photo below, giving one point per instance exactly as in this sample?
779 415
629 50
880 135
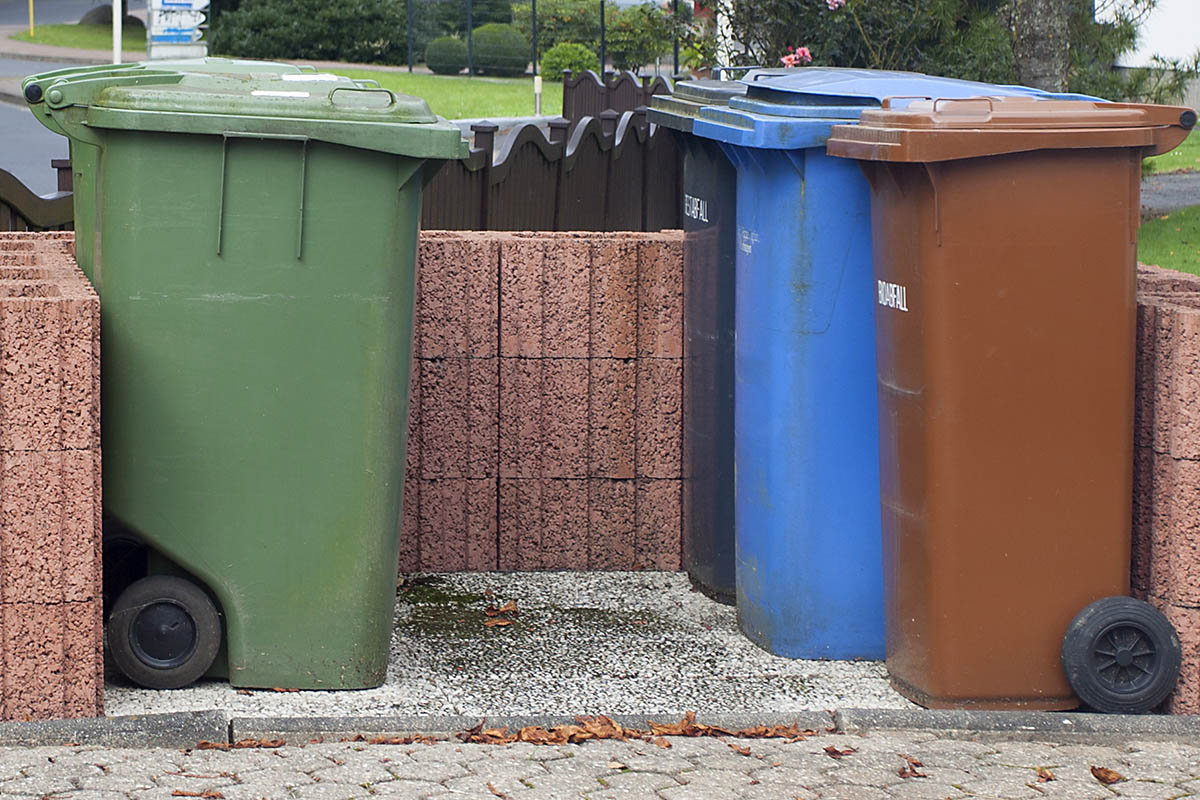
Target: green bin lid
260 103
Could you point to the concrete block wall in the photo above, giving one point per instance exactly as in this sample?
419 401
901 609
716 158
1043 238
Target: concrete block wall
546 417
50 604
1166 497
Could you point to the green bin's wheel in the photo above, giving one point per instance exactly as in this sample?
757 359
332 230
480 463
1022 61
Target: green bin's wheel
164 632
1121 656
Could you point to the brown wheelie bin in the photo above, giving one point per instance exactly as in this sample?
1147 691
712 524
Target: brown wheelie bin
1005 241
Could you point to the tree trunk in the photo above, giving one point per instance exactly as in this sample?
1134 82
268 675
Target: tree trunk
1041 43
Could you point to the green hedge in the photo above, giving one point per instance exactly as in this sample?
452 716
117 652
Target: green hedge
499 50
568 56
446 55
363 31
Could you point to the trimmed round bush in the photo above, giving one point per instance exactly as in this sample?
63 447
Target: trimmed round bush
568 56
362 31
446 55
500 50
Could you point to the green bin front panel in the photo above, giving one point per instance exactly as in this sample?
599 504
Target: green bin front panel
257 301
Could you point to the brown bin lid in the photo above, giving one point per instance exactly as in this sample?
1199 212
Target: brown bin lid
945 129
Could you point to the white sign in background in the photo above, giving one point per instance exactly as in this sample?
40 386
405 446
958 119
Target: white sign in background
176 28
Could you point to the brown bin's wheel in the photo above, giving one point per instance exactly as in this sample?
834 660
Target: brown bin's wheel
164 632
1121 656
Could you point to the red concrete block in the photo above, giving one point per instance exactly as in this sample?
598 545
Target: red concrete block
659 417
1152 279
660 296
1175 416
83 660
1145 378
412 455
1186 697
522 298
457 296
410 524
612 522
520 524
1142 549
566 281
564 418
81 526
458 519
33 661
459 417
31 527
657 542
611 419
543 524
25 258
614 298
521 414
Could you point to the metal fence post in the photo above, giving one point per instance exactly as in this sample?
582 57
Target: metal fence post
408 31
470 43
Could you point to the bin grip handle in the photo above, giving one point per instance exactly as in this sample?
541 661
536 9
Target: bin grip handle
887 101
991 107
366 90
287 137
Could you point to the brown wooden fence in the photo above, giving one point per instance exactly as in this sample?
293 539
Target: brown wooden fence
615 172
22 210
612 173
587 95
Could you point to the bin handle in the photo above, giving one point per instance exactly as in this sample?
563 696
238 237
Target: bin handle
363 90
367 83
991 107
887 101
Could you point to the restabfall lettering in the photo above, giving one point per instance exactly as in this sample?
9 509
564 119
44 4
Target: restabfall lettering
893 295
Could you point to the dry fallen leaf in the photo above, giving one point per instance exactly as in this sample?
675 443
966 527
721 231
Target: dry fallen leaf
616 765
278 689
207 794
743 750
245 692
207 745
495 791
417 738
1107 776
508 608
833 752
497 622
1044 775
661 742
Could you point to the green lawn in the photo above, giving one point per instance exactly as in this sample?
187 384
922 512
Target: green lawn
1172 241
460 97
1186 157
85 37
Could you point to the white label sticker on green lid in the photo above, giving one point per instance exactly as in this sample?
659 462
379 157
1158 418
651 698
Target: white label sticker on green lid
268 93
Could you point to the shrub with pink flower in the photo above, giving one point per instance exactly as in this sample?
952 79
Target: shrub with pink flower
834 5
796 57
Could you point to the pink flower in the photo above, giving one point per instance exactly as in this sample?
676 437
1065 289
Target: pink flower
834 5
797 57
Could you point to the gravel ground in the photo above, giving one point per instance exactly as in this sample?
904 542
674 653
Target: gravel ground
614 643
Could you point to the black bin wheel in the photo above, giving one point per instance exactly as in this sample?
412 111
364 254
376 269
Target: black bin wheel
164 632
1121 656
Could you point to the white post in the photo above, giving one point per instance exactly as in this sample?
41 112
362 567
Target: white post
537 95
118 18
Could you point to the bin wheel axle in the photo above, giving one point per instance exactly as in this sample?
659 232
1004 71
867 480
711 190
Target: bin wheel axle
1121 655
164 632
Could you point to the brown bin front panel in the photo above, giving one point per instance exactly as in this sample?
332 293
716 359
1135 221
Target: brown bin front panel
1005 336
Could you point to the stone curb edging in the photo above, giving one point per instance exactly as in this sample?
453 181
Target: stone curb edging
186 729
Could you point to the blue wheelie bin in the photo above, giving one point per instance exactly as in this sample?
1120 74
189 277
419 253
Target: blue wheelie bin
808 562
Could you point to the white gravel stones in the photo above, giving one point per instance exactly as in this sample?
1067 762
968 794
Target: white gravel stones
611 642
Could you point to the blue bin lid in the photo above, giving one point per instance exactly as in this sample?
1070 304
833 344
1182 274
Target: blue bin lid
798 110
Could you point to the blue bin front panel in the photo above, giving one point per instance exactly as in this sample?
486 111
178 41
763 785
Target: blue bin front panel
809 572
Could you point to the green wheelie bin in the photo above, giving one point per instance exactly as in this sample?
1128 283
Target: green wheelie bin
255 242
83 155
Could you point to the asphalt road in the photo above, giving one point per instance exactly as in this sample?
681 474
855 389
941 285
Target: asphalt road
26 147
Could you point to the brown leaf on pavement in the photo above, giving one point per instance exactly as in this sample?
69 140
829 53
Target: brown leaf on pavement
1044 775
1107 776
911 769
661 742
833 752
497 622
207 794
742 750
277 689
416 738
245 692
247 744
508 608
495 791
616 765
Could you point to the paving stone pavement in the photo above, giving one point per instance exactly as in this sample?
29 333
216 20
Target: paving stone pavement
946 766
